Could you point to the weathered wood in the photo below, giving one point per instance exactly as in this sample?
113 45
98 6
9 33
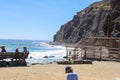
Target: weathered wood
14 55
17 59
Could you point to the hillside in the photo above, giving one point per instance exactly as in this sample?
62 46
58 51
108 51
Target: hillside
99 19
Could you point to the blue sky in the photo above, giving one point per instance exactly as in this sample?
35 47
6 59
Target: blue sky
36 19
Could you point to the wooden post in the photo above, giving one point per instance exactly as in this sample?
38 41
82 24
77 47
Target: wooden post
85 53
81 55
66 52
94 52
119 48
74 54
100 53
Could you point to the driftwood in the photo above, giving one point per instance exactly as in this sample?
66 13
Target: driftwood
17 58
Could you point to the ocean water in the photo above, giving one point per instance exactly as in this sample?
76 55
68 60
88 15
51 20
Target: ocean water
37 50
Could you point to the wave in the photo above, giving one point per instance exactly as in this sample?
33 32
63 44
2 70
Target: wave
39 50
47 56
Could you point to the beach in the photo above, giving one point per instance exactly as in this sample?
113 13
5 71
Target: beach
96 71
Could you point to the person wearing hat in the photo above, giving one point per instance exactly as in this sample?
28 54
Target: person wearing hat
70 74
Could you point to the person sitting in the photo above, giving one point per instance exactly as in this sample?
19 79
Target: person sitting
16 57
3 49
25 49
71 75
17 50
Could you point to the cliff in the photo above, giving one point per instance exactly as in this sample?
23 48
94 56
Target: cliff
99 19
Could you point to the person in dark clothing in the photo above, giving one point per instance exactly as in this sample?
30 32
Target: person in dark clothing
17 57
70 74
17 50
3 49
25 49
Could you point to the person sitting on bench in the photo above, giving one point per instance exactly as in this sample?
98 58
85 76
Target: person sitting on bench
3 49
25 49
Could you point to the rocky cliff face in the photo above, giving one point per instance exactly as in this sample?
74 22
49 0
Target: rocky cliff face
112 23
99 19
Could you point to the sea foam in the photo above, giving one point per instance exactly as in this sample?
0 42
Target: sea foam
47 56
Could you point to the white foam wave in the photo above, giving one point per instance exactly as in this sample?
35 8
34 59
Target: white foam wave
47 53
44 44
38 57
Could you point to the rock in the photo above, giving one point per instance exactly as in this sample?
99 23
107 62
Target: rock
99 19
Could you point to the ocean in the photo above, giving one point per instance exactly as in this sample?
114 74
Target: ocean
39 51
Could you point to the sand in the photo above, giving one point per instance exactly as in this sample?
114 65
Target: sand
96 71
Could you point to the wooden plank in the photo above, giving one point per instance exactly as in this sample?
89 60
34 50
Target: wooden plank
113 52
21 55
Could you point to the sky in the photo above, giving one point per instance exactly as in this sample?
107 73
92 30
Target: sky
36 19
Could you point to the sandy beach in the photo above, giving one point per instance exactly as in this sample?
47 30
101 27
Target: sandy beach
95 71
